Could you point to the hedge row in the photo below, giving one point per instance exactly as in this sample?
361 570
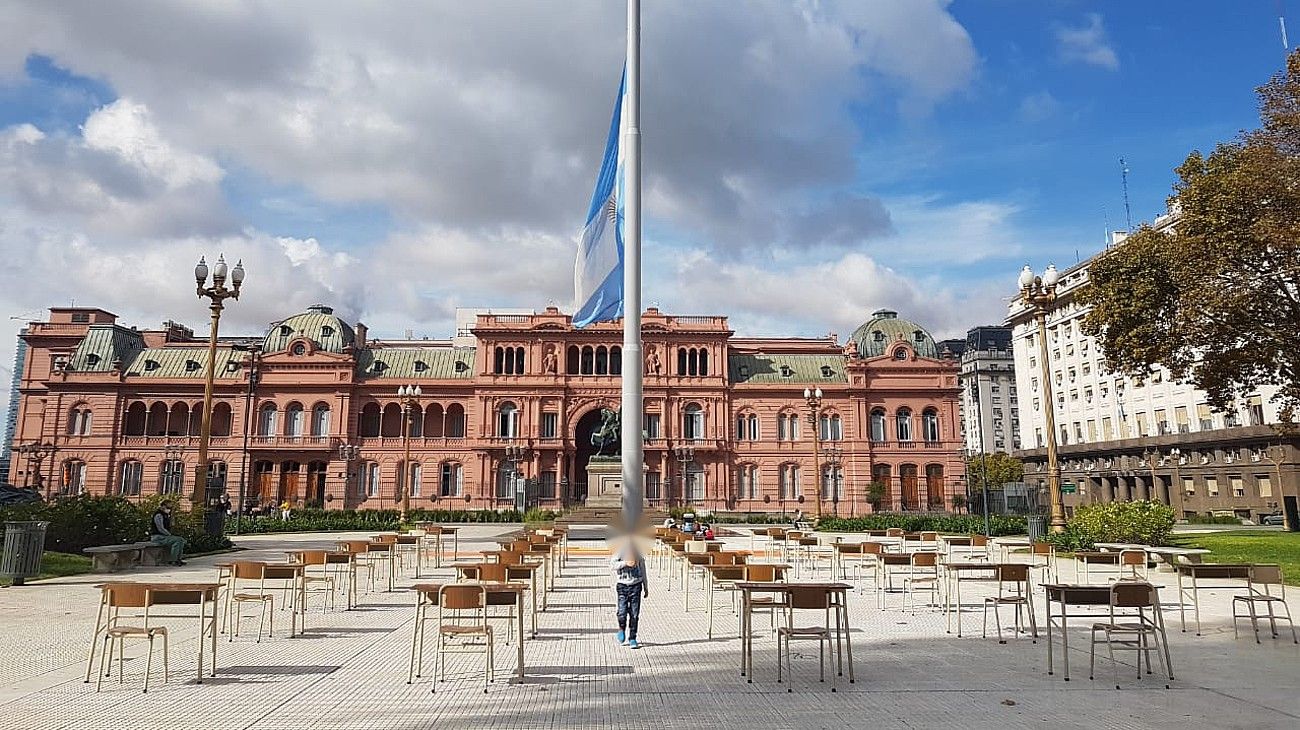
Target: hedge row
86 521
950 524
1143 522
327 520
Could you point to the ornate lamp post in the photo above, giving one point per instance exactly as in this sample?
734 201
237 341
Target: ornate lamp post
517 454
1039 293
217 293
410 395
348 453
835 477
36 454
685 455
813 397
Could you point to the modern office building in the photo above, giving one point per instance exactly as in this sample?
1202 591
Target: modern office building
990 407
309 412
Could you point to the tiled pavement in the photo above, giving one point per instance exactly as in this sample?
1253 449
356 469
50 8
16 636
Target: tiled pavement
349 671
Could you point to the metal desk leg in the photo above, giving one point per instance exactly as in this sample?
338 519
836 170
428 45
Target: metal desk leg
1065 642
1182 606
1196 604
94 639
519 605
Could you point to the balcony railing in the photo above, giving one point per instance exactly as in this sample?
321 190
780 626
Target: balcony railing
293 442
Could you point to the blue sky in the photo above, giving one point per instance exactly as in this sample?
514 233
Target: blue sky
805 163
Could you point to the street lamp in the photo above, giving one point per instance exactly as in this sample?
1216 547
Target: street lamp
813 397
834 476
410 395
685 455
348 453
1039 293
217 293
517 454
35 453
254 351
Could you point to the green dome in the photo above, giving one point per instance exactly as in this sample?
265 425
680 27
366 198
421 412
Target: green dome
318 324
885 328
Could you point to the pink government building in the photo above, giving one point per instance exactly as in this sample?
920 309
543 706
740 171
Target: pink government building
310 413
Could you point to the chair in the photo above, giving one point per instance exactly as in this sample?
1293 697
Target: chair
1266 576
1134 561
1046 551
724 578
929 536
453 623
759 573
1136 630
1017 575
499 573
321 558
804 598
924 571
360 549
244 570
894 532
115 598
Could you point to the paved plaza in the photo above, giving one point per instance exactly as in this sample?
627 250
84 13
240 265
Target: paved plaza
350 669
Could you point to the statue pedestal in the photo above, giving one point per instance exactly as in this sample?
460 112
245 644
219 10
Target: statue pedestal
605 482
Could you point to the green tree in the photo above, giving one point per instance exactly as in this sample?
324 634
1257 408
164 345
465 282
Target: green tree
999 467
1215 297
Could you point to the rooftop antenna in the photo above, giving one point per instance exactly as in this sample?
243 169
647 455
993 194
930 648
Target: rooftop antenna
1128 214
1281 21
1105 214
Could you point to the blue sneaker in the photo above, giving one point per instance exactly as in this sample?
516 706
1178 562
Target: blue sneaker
620 637
632 644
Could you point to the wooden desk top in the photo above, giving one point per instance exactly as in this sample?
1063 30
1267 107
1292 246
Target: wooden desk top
1215 570
508 587
1078 594
973 564
784 587
164 592
1097 556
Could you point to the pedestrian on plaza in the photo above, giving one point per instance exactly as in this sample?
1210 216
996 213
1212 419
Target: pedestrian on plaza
630 586
285 510
160 533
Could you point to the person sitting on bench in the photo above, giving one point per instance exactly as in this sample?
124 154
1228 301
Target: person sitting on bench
160 533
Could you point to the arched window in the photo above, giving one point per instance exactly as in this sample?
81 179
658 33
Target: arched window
507 421
136 415
178 420
693 422
221 419
129 476
171 476
681 361
217 474
157 419
934 486
788 426
572 361
903 424
704 361
455 421
508 361
832 482
293 418
320 420
266 420
747 427
369 426
452 480
615 360
79 421
747 486
831 427
588 360
74 478
878 425
602 360
506 475
789 482
391 423
930 425
433 420
415 422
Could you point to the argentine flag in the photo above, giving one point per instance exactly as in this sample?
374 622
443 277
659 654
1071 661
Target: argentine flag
598 274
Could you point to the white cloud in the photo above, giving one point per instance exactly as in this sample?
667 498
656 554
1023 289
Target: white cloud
1038 107
1087 44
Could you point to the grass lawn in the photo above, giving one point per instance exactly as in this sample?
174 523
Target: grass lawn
1235 546
57 565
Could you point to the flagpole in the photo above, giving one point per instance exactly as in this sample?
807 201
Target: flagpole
633 367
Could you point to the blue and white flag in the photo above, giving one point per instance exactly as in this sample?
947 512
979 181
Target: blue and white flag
598 274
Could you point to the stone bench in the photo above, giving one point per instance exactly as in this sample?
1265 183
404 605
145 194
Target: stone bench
112 558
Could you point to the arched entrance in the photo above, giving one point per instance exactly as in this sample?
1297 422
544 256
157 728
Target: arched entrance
583 452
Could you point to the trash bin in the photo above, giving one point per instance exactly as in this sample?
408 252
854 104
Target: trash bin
24 546
1037 526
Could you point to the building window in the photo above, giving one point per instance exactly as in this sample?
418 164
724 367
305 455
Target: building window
1189 486
130 475
695 483
1265 485
1255 410
369 484
878 425
693 422
747 428
903 424
171 477
79 422
692 361
320 420
1162 422
550 425
74 477
831 427
546 485
507 421
652 425
653 486
930 425
789 482
293 420
787 427
266 420
508 361
506 481
452 481
1212 486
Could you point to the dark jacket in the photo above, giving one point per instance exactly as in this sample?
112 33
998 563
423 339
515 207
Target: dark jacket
161 524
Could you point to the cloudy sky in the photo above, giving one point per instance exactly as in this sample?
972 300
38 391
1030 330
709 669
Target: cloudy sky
805 162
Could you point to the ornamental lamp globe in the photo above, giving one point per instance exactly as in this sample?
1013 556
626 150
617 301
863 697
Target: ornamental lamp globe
1051 276
1026 277
201 271
237 274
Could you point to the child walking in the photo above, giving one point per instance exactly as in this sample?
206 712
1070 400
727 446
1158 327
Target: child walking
630 585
